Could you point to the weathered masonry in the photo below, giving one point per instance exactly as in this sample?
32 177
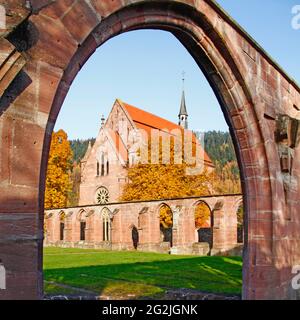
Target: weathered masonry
41 51
136 225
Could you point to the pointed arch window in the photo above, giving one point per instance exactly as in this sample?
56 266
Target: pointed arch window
102 165
106 225
82 230
107 167
98 169
62 217
61 231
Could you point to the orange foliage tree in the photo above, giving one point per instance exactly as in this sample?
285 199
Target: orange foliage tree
165 181
202 216
166 217
58 183
227 180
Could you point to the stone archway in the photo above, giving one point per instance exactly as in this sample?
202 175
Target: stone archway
81 226
203 222
106 224
62 218
134 236
50 46
166 223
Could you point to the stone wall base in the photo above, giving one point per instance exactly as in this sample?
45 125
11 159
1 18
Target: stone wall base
230 251
197 248
81 245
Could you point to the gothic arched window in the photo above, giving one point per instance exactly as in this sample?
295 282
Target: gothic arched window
106 225
98 169
82 230
61 225
102 165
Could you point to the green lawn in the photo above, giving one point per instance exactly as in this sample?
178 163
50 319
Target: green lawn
138 274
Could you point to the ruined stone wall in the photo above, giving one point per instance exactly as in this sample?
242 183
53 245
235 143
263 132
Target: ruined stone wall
45 45
144 216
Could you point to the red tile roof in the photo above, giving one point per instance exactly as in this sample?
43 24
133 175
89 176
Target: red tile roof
148 121
119 144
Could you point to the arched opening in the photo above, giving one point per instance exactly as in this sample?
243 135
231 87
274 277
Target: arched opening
233 64
218 73
82 226
166 224
166 216
107 167
135 237
62 217
106 225
203 223
102 165
98 169
82 230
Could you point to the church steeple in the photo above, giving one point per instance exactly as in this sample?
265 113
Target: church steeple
183 115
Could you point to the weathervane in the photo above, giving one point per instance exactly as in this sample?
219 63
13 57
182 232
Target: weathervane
183 79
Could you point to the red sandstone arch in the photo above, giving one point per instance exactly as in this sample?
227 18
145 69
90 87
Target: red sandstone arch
201 201
81 215
106 223
210 226
134 236
62 218
167 233
248 84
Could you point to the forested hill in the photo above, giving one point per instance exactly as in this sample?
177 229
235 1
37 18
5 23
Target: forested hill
79 148
218 146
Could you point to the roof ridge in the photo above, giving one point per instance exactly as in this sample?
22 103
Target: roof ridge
150 113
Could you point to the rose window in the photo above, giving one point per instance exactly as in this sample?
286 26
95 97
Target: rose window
102 196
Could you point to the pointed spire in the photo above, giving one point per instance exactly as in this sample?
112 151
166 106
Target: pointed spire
183 115
183 110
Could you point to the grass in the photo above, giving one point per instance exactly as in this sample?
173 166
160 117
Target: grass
138 274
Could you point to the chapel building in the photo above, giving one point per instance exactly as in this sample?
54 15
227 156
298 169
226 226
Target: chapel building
105 164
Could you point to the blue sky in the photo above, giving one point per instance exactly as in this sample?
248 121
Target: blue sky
144 68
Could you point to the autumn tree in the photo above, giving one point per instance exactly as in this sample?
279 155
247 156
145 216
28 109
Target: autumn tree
165 217
226 180
240 215
165 181
58 183
166 223
202 215
220 148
